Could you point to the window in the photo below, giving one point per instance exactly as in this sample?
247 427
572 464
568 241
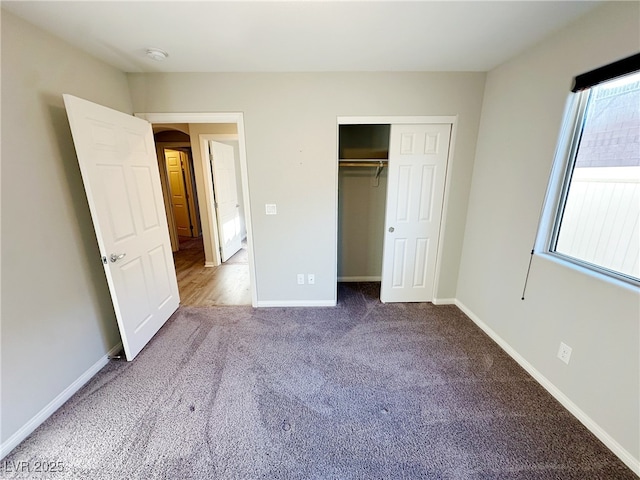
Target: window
597 221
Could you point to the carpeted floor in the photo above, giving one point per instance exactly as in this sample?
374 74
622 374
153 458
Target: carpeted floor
360 391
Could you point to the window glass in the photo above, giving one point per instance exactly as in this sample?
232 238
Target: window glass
599 218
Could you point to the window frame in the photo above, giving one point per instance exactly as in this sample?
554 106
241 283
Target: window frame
564 161
582 101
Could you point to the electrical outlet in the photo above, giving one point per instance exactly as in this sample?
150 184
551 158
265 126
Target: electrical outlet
301 279
311 279
564 352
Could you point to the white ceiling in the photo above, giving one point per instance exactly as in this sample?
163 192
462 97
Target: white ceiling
299 36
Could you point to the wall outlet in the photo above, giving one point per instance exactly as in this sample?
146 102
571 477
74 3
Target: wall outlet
564 352
311 279
301 279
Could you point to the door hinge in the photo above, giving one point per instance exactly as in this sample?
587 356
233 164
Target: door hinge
104 260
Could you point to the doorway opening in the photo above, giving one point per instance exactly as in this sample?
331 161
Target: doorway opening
175 164
198 227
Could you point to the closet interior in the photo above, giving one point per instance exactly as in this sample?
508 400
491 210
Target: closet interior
363 153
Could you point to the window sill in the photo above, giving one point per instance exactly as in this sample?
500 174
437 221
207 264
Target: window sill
576 266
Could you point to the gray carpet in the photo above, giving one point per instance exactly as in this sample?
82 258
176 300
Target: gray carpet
360 391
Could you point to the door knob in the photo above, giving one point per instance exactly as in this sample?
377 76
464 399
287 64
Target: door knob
391 229
115 257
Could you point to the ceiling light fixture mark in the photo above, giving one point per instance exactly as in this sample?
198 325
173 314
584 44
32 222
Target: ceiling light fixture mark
157 54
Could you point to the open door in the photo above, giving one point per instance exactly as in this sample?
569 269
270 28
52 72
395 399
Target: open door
418 157
225 192
119 169
179 191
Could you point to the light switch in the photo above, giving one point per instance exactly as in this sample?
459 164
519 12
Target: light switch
270 208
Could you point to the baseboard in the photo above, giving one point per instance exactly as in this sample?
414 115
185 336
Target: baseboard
296 303
360 279
14 440
624 455
210 264
444 301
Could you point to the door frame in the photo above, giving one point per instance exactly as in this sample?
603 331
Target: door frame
161 147
164 182
403 120
206 202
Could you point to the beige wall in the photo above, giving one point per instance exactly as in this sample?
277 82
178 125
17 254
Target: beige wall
291 134
57 317
521 118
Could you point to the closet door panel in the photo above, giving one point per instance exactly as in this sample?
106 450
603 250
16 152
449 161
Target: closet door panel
418 156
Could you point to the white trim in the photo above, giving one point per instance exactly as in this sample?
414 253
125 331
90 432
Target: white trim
360 279
626 457
14 440
549 208
194 117
296 303
336 205
445 205
444 301
224 117
209 264
452 120
397 120
223 136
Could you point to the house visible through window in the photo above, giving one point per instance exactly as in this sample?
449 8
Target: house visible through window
598 219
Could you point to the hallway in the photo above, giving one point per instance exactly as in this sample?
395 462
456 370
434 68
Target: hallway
200 286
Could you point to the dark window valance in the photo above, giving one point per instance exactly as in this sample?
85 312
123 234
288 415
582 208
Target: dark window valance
608 72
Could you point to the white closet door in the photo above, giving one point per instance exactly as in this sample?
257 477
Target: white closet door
418 157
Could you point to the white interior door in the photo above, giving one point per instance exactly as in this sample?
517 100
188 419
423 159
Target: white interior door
119 169
415 192
179 196
225 192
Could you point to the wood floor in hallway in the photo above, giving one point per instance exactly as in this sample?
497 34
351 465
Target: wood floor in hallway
200 286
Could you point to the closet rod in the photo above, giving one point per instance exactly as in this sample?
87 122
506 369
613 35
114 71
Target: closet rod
379 165
360 163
